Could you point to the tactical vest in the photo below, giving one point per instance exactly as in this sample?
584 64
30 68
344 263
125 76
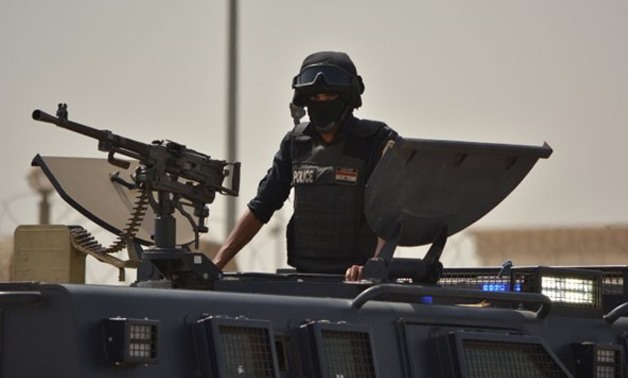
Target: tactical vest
328 223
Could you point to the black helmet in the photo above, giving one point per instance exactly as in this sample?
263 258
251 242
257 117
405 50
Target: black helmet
328 71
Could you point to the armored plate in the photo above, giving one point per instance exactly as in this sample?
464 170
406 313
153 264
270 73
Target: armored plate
425 185
85 184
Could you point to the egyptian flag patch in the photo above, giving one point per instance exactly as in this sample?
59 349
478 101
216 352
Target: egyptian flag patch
346 175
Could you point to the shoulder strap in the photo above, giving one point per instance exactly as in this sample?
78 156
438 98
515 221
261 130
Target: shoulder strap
297 135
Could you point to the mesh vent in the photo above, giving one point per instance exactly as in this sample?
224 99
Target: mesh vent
487 359
347 354
247 351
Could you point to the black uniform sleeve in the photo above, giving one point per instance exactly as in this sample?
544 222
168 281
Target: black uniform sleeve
274 188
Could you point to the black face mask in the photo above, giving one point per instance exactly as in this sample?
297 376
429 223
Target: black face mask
326 115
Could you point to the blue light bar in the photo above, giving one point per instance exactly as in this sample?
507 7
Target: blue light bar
495 287
500 287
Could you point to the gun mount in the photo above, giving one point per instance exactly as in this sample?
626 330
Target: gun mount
169 177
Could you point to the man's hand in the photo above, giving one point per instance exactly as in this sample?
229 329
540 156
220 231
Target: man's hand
354 273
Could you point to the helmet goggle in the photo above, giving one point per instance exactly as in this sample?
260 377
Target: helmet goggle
332 75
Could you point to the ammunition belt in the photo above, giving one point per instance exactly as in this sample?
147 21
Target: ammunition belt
83 241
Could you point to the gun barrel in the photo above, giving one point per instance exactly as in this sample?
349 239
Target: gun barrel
40 115
123 145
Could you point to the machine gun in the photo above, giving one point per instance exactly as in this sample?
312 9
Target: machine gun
168 174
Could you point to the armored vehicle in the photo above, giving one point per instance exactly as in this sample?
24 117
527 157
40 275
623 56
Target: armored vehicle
408 317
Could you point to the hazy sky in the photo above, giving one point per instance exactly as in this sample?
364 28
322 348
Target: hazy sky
506 71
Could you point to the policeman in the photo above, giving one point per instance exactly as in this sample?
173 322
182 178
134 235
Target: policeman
328 162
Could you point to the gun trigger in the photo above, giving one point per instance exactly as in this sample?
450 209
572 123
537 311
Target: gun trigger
117 162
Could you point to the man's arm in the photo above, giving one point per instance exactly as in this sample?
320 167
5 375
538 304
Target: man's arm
245 229
271 194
